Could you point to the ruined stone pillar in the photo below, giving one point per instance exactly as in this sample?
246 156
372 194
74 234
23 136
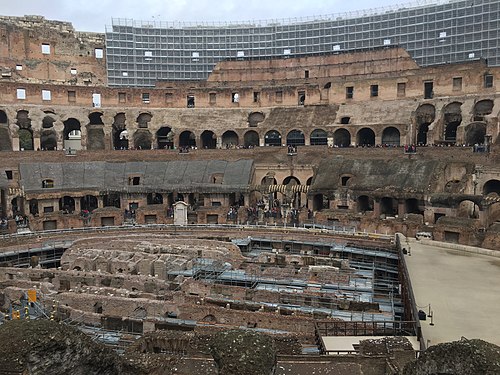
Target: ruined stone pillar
376 208
401 207
36 142
15 143
100 202
78 207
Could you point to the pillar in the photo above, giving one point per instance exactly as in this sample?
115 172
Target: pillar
36 143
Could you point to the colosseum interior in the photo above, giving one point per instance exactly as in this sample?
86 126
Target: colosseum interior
266 197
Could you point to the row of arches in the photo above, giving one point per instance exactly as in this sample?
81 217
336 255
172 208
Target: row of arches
165 138
451 118
424 116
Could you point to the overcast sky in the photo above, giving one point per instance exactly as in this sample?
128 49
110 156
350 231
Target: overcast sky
93 15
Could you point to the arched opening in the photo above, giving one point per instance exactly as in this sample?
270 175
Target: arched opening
295 138
88 203
154 198
165 138
345 120
320 202
255 118
67 204
111 200
342 138
365 203
388 206
482 108
95 132
468 209
208 139
230 139
251 139
33 204
187 139
423 129
491 186
95 118
25 139
48 140
475 133
293 196
47 122
143 139
47 183
318 137
119 133
344 180
143 120
412 206
25 133
72 134
424 116
272 138
391 136
5 141
452 120
270 180
366 137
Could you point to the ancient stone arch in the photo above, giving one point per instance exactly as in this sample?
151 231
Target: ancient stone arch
491 187
365 203
187 139
165 138
230 139
475 133
95 132
143 120
255 118
481 109
143 139
295 138
424 116
251 139
365 137
391 136
119 132
318 137
272 138
342 138
25 132
5 141
388 206
72 134
452 118
208 139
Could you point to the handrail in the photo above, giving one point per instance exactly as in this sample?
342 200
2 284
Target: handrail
315 228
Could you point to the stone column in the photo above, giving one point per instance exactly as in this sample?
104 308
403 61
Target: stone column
36 142
376 208
401 207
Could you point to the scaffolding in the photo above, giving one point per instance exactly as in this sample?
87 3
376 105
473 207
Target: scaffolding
141 53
